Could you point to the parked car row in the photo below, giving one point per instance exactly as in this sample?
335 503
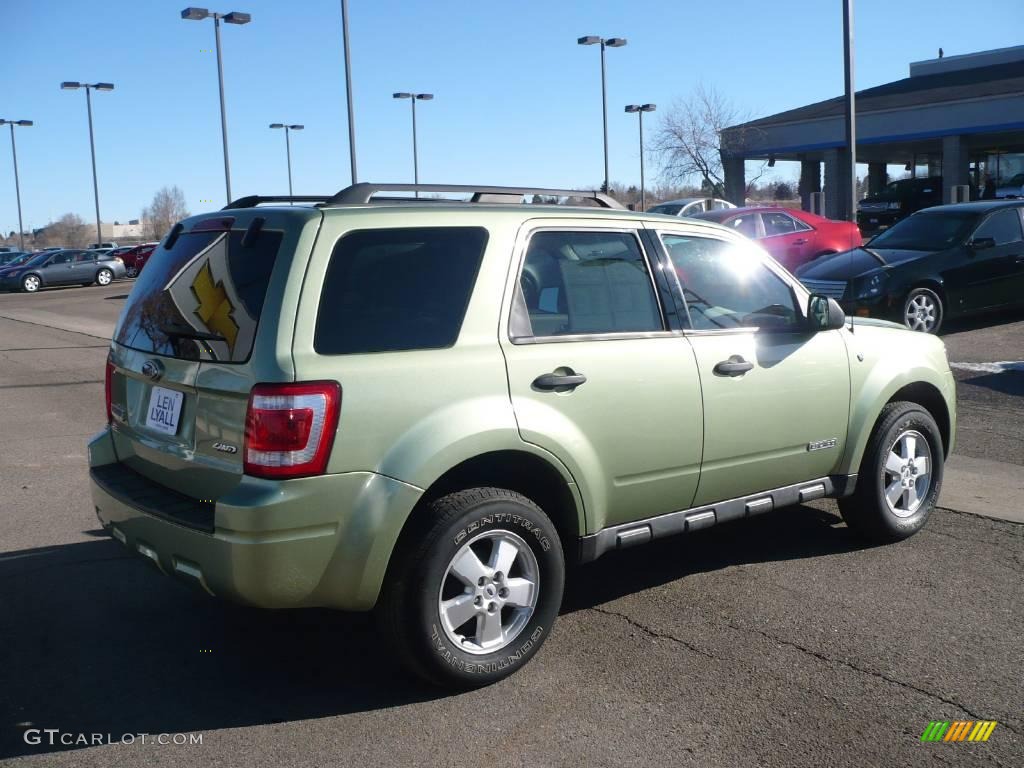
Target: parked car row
28 272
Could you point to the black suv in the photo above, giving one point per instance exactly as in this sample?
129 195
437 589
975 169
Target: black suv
898 200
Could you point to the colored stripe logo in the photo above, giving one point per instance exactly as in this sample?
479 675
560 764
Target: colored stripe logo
958 730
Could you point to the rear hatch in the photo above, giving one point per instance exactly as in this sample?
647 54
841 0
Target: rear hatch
209 317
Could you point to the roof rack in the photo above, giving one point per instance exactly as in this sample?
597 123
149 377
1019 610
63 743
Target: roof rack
253 200
365 192
362 193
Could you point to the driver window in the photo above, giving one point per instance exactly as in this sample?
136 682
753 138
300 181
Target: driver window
1002 226
726 285
62 258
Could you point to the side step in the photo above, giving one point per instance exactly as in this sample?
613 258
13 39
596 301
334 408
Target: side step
686 520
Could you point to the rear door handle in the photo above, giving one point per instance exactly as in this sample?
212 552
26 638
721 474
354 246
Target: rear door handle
551 381
734 366
801 241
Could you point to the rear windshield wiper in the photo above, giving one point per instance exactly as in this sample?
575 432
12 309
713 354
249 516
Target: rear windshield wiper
185 332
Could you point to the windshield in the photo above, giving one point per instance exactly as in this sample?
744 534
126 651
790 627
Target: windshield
1016 181
670 210
18 260
36 259
927 231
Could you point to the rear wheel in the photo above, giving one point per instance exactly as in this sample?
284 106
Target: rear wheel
473 593
923 311
131 272
30 283
900 476
104 277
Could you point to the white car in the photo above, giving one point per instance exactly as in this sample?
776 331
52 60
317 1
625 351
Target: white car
690 206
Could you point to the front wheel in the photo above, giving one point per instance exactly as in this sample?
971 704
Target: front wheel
30 284
923 311
131 272
900 476
473 594
104 276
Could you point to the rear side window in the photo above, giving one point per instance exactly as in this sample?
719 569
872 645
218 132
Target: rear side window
202 299
397 289
587 283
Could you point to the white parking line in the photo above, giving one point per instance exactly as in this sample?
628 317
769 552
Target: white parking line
1001 367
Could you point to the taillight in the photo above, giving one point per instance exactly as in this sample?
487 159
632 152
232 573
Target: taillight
107 383
289 428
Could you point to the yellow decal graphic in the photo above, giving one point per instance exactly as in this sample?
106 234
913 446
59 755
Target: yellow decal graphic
215 308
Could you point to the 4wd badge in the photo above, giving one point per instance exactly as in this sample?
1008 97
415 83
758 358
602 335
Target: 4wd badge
820 445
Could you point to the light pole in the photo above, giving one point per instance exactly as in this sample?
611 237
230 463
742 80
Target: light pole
17 185
235 17
70 85
611 42
414 97
348 90
640 109
288 148
850 109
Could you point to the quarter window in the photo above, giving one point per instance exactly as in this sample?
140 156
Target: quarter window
587 283
397 289
727 285
1002 226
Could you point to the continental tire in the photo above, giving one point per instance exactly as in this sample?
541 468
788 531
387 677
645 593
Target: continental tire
473 593
900 476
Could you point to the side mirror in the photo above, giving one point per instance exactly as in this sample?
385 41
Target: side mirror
981 243
824 314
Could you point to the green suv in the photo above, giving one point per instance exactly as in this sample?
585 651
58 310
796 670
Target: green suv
429 408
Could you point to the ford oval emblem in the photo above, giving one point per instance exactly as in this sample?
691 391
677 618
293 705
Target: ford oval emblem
153 369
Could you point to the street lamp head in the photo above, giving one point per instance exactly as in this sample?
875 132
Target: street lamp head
277 125
237 17
104 86
588 40
24 123
632 107
648 107
296 127
615 42
195 14
402 95
424 96
70 85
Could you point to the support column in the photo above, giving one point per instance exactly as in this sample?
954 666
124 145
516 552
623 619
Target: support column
735 179
877 178
837 183
955 162
810 181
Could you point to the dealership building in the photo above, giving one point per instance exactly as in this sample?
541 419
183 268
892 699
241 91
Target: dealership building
958 117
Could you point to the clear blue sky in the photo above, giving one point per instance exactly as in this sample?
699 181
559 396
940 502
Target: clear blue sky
517 101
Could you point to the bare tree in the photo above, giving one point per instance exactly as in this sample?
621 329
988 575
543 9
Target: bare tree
69 231
690 140
168 208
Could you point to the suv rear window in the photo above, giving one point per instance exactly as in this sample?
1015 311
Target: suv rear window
207 284
397 289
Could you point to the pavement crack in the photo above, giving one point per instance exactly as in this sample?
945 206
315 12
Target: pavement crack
654 633
871 673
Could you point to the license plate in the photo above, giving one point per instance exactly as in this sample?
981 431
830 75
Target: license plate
164 410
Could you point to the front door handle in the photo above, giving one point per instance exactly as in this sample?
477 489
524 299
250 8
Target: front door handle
548 382
734 366
801 241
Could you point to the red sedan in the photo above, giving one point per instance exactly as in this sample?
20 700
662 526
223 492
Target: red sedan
135 258
793 237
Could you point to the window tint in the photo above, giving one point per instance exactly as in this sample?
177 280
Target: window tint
85 257
63 258
396 289
745 224
776 223
666 209
208 282
587 283
726 285
1002 226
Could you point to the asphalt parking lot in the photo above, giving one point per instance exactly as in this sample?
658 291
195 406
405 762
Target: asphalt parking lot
781 641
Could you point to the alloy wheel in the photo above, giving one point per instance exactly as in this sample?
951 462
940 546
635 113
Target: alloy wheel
922 313
104 277
907 473
30 284
489 592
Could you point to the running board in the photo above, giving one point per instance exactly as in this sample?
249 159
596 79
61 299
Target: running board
686 520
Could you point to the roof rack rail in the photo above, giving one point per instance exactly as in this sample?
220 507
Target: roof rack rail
252 201
362 193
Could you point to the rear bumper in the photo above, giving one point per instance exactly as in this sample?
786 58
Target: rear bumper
318 541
